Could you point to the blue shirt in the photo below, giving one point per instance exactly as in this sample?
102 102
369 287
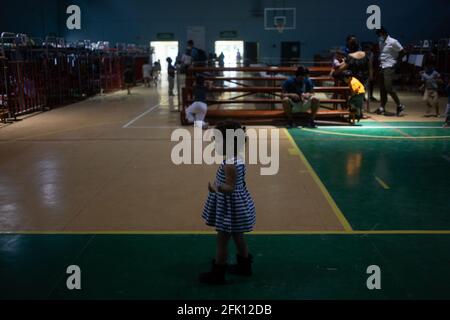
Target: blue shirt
194 53
291 85
200 93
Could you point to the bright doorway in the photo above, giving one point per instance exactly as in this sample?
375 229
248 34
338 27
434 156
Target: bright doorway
230 50
162 50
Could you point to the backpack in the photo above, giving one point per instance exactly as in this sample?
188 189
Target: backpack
201 56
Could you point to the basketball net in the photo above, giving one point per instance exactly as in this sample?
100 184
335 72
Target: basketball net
280 27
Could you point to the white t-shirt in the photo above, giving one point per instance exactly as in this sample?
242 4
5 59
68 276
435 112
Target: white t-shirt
389 50
431 80
186 60
146 71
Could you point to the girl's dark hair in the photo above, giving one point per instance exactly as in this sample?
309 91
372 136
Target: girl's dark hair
235 126
353 45
349 37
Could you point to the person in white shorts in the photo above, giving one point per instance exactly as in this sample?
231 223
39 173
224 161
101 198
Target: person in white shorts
196 112
431 80
298 97
146 74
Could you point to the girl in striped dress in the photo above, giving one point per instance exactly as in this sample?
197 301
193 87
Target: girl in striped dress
230 209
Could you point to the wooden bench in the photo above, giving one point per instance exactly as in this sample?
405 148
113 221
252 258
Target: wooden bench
263 101
270 117
274 70
276 78
318 73
341 90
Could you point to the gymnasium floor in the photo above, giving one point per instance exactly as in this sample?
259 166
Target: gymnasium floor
92 184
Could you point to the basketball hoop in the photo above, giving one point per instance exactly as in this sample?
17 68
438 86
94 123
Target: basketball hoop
280 27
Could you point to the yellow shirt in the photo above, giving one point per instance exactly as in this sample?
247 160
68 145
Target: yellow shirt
356 86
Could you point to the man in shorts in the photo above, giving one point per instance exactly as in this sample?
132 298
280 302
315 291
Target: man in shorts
298 97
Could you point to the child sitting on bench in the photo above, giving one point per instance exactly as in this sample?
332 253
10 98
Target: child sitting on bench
196 112
298 97
357 92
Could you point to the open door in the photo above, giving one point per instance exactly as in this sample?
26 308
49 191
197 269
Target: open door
251 53
290 53
230 50
164 50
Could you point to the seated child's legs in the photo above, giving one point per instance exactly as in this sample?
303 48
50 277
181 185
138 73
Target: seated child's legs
196 113
190 116
201 108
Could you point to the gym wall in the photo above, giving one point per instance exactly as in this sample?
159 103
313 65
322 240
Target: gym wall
321 24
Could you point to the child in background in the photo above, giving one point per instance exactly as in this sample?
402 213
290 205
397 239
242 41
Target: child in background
229 207
170 76
447 112
156 70
147 74
431 80
357 94
196 112
338 60
128 78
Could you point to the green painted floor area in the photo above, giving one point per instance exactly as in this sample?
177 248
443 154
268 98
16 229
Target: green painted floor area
381 179
166 267
415 171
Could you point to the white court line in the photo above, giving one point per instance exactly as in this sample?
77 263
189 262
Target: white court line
379 127
155 127
142 115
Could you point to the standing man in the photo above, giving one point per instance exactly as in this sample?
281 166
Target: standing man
170 76
221 60
391 51
298 96
238 58
193 51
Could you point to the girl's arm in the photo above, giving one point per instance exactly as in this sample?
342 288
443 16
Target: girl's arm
230 179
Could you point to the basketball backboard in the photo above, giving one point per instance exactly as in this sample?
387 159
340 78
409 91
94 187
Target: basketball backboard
273 17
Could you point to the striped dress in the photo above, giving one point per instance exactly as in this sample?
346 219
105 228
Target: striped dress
233 212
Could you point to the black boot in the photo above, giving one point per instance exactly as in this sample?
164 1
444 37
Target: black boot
243 266
311 124
215 276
